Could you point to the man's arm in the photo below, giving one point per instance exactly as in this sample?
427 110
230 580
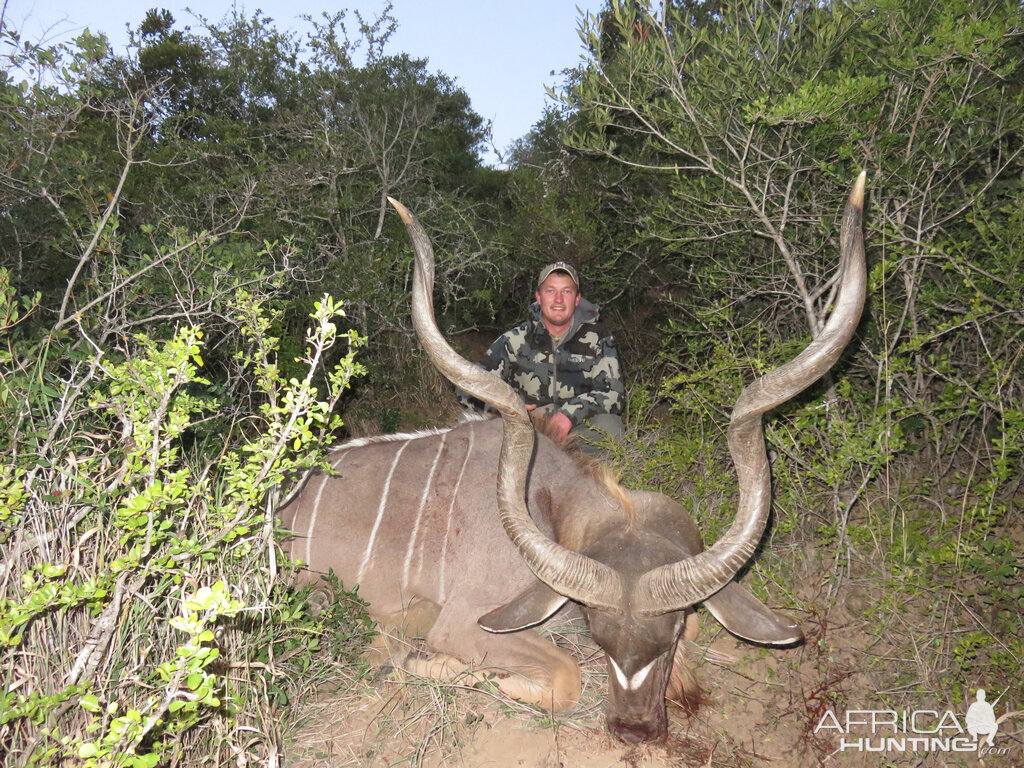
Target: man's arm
496 360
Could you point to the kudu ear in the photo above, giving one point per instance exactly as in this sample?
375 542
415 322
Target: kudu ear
530 607
748 618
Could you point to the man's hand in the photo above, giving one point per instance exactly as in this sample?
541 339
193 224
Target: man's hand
558 427
560 424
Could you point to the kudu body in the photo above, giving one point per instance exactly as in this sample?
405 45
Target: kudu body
416 522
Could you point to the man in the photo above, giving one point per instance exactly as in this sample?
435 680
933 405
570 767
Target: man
562 361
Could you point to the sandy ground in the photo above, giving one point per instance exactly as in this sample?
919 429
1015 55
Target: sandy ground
762 709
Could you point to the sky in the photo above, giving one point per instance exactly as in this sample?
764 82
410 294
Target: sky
501 52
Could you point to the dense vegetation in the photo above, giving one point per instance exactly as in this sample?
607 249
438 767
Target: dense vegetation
175 223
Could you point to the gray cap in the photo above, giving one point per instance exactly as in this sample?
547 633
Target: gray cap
558 266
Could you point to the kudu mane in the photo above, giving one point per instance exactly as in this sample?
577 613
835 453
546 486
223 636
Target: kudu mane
592 467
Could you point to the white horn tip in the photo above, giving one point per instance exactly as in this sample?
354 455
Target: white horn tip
402 210
857 193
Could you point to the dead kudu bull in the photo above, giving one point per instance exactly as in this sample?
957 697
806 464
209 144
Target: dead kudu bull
415 522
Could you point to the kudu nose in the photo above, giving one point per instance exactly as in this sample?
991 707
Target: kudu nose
635 733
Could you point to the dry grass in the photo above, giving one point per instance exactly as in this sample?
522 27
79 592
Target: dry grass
397 718
403 720
761 708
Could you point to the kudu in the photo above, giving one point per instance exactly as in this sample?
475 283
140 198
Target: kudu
415 521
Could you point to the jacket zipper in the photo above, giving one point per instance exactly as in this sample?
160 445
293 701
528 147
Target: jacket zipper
554 372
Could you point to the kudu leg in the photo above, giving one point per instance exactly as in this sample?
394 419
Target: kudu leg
523 665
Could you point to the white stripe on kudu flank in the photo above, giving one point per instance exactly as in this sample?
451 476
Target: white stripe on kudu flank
380 515
316 510
451 509
419 512
359 442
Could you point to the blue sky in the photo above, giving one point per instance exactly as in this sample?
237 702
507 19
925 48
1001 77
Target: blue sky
501 52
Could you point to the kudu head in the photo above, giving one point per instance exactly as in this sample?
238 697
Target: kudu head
635 588
640 643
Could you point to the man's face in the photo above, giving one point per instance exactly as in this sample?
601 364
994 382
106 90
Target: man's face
558 298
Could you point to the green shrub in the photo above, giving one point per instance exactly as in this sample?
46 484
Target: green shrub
144 607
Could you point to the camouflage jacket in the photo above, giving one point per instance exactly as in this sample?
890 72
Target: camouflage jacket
579 375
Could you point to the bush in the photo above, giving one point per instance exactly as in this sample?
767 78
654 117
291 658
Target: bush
144 609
